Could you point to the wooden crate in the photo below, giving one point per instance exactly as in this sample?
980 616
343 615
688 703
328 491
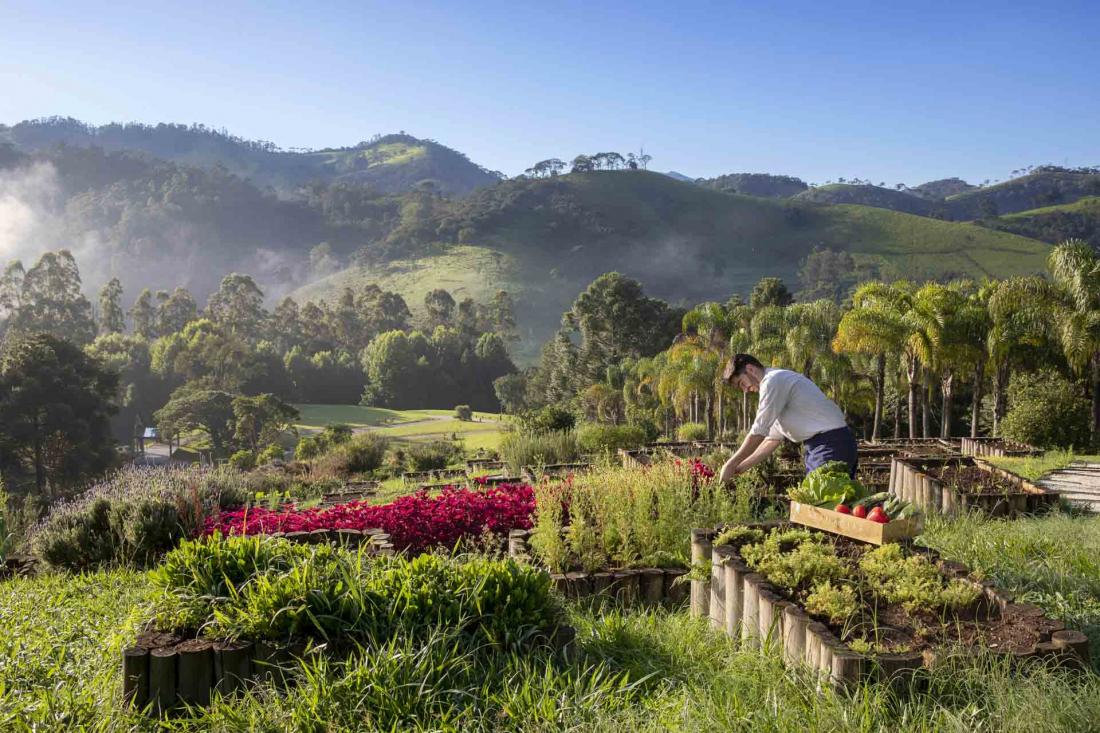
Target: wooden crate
864 530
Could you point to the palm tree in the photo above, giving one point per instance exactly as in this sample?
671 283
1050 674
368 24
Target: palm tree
1020 317
872 327
1076 271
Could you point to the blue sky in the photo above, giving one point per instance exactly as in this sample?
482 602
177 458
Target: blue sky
881 90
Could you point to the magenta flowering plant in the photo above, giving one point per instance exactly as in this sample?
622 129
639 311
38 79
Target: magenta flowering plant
417 522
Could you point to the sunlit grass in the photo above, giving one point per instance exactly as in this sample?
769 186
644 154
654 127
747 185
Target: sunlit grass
1035 467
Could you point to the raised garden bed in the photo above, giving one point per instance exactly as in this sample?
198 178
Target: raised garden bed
483 465
533 473
415 478
952 485
648 587
351 491
224 620
17 565
997 447
911 609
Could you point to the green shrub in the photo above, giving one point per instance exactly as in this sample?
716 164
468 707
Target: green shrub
362 454
551 418
464 413
430 456
269 589
270 454
308 448
691 431
335 434
521 449
1046 410
135 516
598 438
243 460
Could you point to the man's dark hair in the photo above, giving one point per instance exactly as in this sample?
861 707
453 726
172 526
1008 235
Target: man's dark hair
737 364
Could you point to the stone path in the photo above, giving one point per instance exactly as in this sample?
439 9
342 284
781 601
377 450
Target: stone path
1078 483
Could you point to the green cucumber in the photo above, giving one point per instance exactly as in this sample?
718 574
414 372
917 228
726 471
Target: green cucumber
907 511
873 499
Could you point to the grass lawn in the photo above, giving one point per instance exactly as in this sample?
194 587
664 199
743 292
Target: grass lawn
634 671
484 432
315 417
1035 467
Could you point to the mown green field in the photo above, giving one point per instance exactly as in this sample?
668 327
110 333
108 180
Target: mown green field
484 432
634 671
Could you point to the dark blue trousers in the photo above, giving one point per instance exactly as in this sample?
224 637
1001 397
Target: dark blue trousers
832 445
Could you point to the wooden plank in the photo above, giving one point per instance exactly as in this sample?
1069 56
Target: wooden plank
864 530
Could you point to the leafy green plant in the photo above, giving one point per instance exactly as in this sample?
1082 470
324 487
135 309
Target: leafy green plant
1046 410
838 603
739 534
827 485
265 589
270 454
364 453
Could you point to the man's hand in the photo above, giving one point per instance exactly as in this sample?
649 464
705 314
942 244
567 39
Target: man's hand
729 470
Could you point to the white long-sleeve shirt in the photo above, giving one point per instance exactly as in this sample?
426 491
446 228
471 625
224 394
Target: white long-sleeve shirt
793 407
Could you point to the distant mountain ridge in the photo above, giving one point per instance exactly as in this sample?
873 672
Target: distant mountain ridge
388 164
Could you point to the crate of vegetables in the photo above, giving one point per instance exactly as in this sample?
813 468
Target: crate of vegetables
828 499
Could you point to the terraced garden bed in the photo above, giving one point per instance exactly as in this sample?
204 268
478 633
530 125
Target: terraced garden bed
952 485
236 611
852 612
998 447
628 586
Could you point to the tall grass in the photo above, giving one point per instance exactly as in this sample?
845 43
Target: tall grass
1052 561
625 517
636 672
520 449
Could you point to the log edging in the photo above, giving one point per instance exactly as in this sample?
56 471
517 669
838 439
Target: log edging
648 587
756 614
909 482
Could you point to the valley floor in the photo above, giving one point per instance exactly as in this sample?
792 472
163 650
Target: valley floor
636 671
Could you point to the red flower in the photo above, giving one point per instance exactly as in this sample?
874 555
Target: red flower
416 522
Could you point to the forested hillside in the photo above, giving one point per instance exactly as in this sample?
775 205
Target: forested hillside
386 163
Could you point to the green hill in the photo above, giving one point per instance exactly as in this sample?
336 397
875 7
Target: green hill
1053 224
388 164
866 195
545 240
756 184
1046 186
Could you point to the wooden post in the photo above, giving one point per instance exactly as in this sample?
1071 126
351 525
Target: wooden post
626 587
795 621
675 593
736 570
517 543
1074 642
135 677
652 586
601 584
232 666
195 672
162 679
750 610
717 608
770 619
847 668
700 555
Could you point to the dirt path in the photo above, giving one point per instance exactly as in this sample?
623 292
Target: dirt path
1079 483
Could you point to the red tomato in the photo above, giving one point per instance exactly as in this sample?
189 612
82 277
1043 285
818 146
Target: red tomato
842 509
860 511
878 515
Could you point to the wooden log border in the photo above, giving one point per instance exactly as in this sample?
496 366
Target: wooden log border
647 587
996 447
909 482
757 616
163 679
